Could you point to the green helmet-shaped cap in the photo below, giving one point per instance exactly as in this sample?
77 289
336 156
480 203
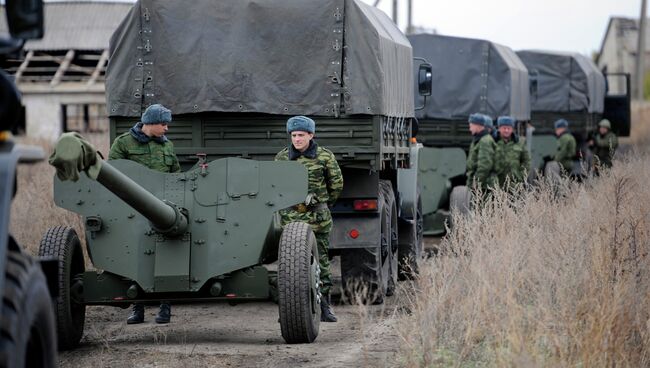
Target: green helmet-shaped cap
605 124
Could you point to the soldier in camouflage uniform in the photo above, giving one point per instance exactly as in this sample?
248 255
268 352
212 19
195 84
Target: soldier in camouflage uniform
147 144
325 185
566 146
512 160
604 144
480 160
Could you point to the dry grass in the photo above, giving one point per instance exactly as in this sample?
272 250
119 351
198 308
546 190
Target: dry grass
33 210
541 281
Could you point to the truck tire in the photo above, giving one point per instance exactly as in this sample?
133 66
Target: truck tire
390 236
460 200
27 329
62 243
411 244
298 284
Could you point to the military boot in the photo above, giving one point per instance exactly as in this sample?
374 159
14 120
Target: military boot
137 314
326 312
164 314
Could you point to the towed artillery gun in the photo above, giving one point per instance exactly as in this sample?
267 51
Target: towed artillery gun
199 235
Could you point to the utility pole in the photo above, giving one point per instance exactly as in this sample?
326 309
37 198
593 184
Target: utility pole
640 64
395 12
409 24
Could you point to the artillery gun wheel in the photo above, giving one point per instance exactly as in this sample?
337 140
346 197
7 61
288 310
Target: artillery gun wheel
62 243
27 337
460 200
553 172
298 284
390 236
410 250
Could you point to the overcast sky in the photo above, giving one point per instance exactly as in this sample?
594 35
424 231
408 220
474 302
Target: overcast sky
568 25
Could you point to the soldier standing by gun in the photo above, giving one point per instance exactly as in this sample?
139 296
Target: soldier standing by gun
604 144
325 186
480 160
146 144
512 160
566 146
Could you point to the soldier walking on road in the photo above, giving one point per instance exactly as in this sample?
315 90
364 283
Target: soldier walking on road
566 146
512 160
604 144
147 144
480 160
325 186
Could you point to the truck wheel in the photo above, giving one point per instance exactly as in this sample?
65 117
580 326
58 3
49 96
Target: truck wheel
361 275
460 200
389 236
410 247
62 243
552 172
27 337
299 284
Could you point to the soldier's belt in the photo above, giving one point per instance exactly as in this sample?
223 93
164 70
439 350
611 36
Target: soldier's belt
302 208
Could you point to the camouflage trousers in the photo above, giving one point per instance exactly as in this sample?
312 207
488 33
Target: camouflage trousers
321 225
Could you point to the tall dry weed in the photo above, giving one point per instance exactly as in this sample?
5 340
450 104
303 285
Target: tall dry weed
541 280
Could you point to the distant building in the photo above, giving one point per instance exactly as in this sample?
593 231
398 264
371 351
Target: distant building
61 77
619 49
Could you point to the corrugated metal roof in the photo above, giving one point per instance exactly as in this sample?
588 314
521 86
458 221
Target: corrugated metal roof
76 25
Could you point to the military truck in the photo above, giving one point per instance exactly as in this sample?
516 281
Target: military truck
232 73
27 329
469 76
570 86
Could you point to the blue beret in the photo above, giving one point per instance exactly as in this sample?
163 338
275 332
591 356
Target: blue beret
561 124
156 114
506 121
479 119
301 123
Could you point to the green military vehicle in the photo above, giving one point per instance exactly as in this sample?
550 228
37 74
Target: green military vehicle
27 327
232 73
570 86
469 76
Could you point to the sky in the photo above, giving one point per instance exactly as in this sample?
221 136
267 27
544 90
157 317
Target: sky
563 25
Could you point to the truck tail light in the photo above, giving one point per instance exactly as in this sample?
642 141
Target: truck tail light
365 205
354 233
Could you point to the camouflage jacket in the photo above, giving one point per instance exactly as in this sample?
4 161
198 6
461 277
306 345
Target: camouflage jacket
604 147
566 151
480 161
511 160
155 155
325 178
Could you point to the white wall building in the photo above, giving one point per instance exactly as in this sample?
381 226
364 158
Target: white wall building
61 76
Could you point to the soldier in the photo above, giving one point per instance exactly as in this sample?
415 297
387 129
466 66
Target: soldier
480 160
512 160
604 144
566 146
325 185
147 144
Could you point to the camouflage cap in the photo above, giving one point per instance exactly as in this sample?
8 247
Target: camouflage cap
561 123
480 119
605 124
156 114
506 121
301 123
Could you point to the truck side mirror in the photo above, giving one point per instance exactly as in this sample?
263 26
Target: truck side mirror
425 79
25 18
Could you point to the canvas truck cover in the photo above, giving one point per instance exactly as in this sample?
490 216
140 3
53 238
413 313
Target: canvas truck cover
311 57
471 75
563 82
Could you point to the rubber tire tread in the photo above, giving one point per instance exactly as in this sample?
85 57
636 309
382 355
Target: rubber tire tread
62 243
26 306
410 248
297 322
390 206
